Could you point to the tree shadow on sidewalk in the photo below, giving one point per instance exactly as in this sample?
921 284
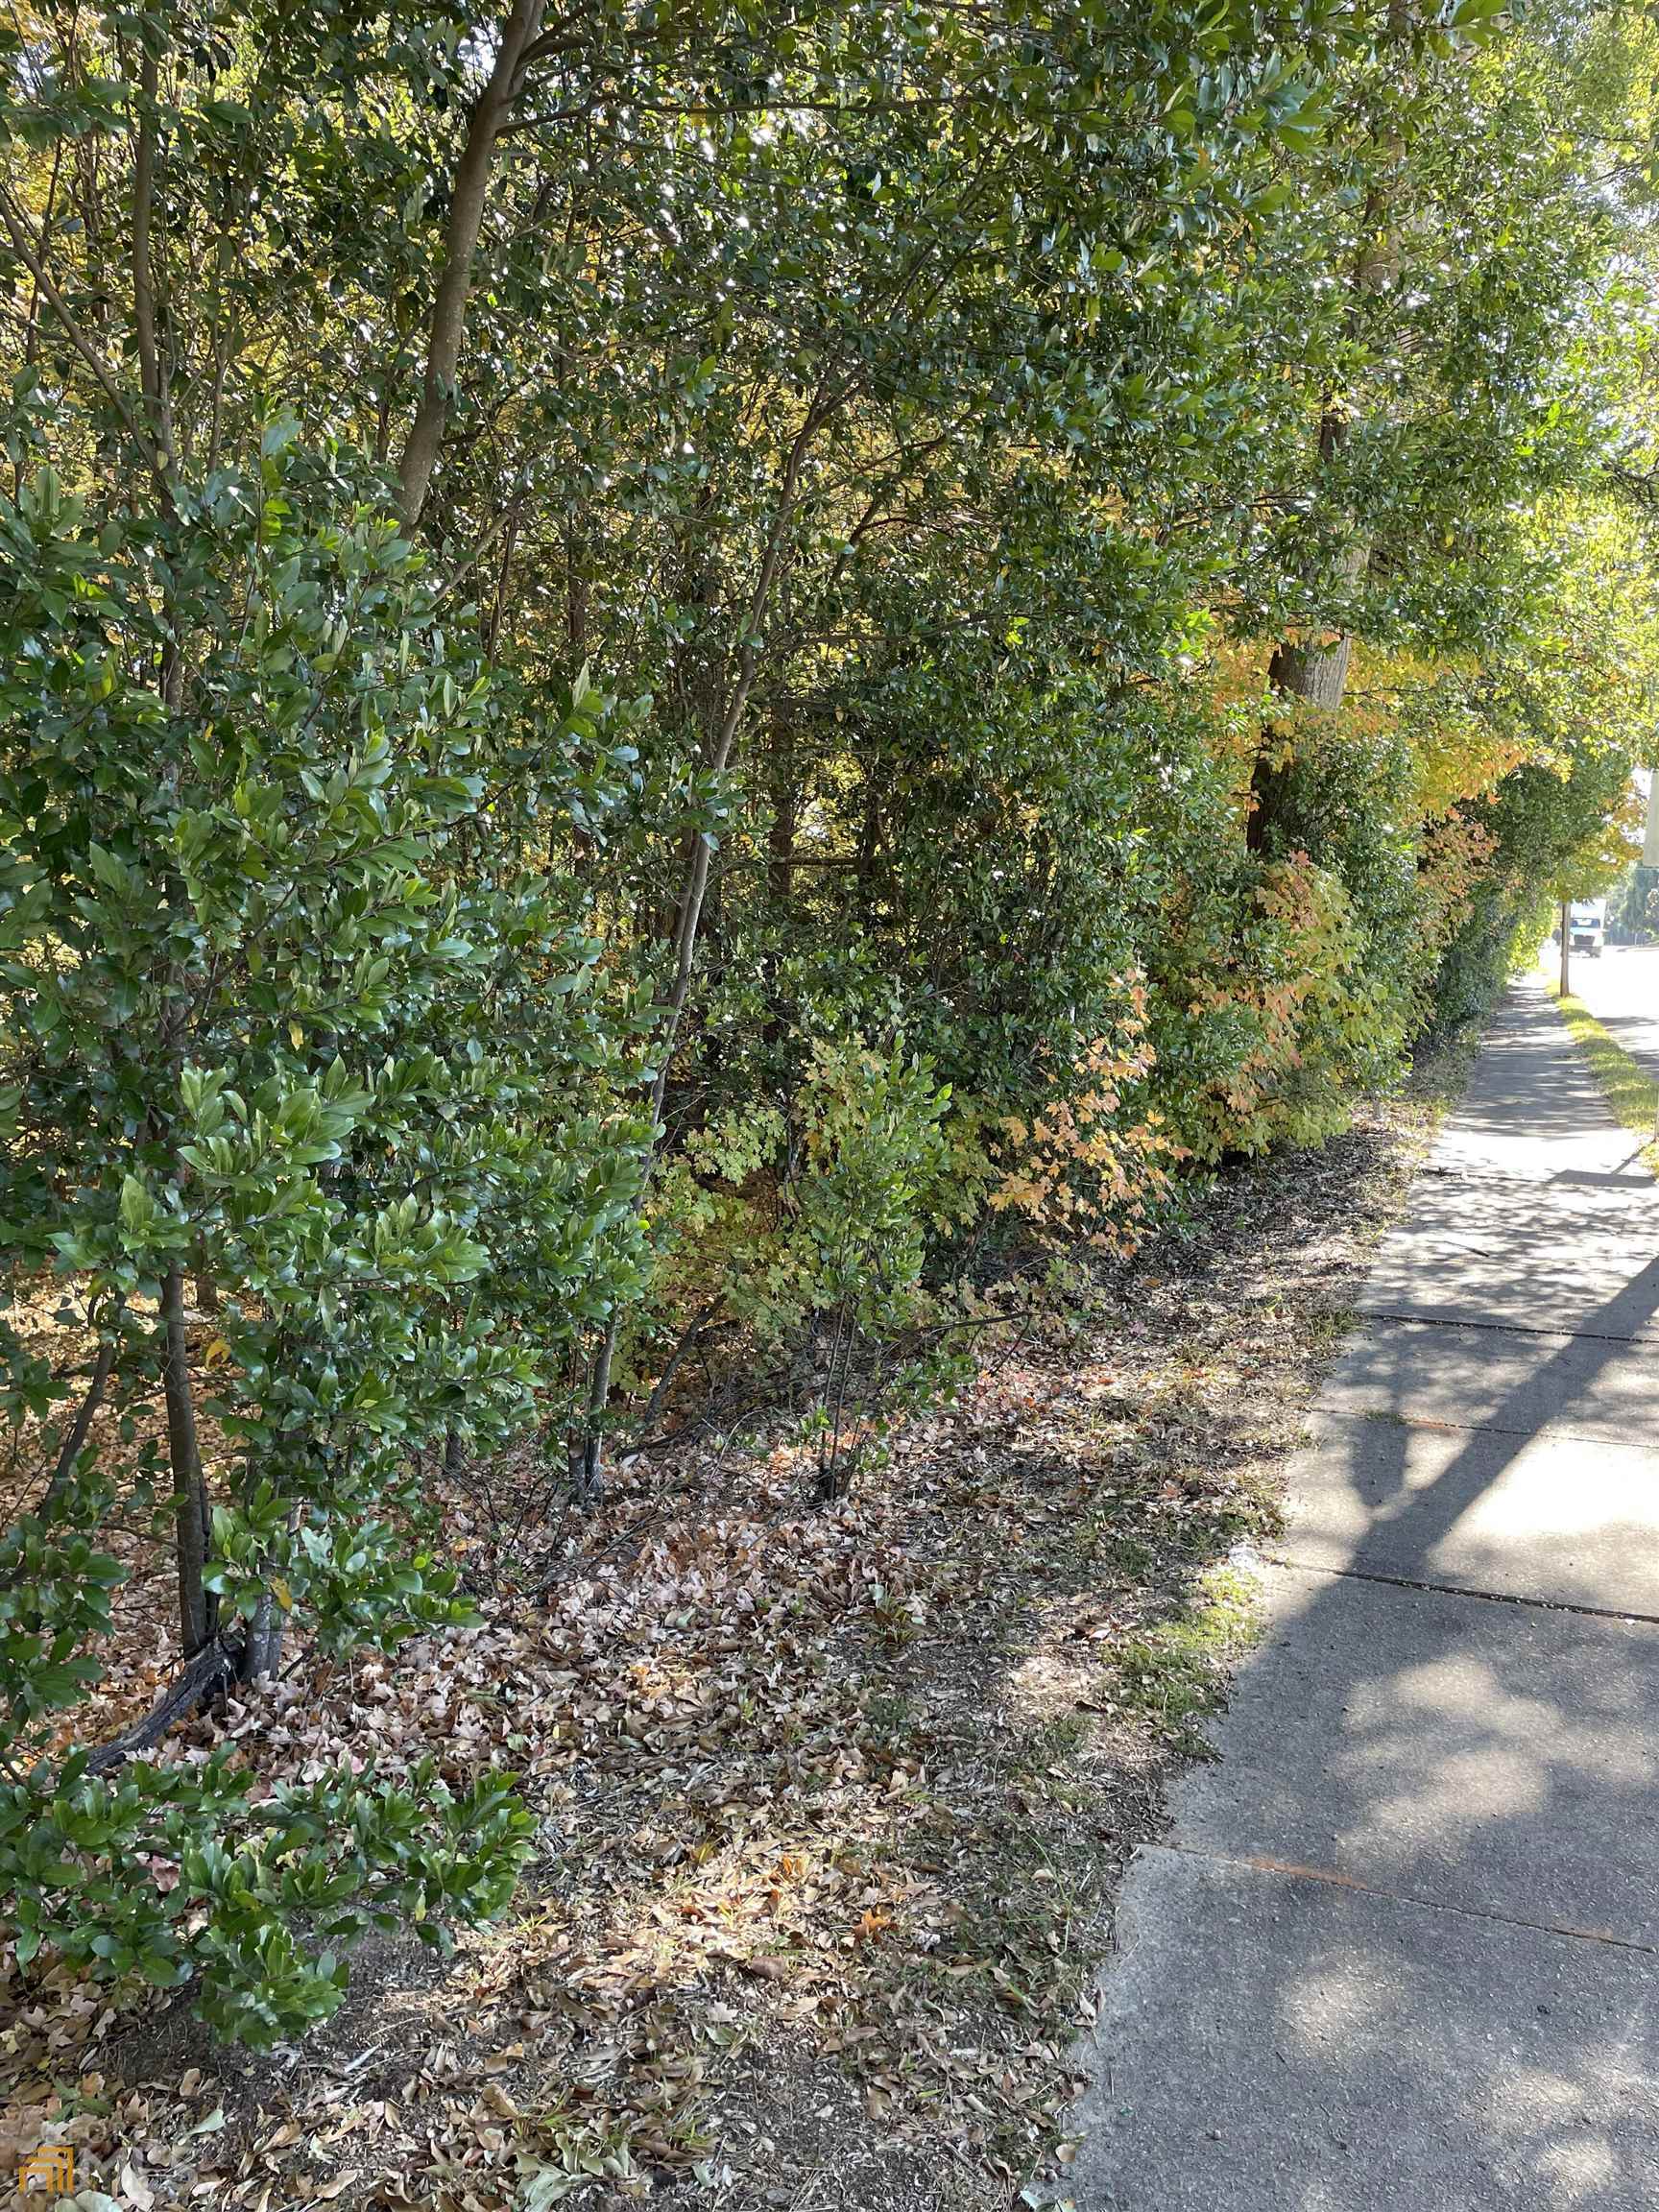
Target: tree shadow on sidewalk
1401 1948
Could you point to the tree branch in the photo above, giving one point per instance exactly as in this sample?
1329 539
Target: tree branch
425 439
17 231
75 1443
150 369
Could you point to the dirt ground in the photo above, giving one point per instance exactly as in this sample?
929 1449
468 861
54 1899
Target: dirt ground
832 1802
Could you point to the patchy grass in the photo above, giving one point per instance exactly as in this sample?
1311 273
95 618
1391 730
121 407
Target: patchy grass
1630 1092
1176 1673
834 1801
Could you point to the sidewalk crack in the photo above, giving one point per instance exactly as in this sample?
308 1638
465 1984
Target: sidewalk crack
1459 1590
1448 1321
1258 1863
1436 1424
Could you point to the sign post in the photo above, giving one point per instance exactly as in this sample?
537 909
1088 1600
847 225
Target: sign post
1566 939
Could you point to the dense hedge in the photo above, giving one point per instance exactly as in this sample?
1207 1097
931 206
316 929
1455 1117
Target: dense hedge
714 671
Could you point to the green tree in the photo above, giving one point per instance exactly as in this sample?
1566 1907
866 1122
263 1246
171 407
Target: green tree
268 1037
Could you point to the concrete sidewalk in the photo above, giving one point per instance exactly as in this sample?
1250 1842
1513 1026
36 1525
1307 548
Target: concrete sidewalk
1400 1949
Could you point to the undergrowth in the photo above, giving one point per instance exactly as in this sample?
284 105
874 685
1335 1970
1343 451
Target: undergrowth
832 1802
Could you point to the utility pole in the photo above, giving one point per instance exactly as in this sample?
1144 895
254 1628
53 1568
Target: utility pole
1566 926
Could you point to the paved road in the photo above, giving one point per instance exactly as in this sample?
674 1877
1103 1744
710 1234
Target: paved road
1621 990
1400 1950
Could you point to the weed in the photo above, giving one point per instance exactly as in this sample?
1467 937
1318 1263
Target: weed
1058 1739
1325 1329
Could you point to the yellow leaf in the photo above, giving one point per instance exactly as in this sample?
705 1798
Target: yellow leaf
295 1036
280 1591
217 1353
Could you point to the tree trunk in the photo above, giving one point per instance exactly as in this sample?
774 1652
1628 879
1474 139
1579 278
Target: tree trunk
262 1654
786 802
779 545
152 362
1315 673
786 806
577 590
191 1523
870 833
1320 673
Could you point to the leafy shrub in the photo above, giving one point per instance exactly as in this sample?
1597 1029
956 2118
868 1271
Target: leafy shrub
265 1038
1094 1164
825 1210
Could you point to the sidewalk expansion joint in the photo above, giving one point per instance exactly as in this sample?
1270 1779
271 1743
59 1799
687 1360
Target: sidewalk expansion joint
1617 1179
1258 1862
1444 1320
1434 1423
1459 1590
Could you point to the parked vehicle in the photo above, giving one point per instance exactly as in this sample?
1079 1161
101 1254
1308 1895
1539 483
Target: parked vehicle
1587 926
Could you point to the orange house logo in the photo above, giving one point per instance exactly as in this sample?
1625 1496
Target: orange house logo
51 2170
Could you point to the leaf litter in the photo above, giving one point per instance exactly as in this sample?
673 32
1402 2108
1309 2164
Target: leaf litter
832 1802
